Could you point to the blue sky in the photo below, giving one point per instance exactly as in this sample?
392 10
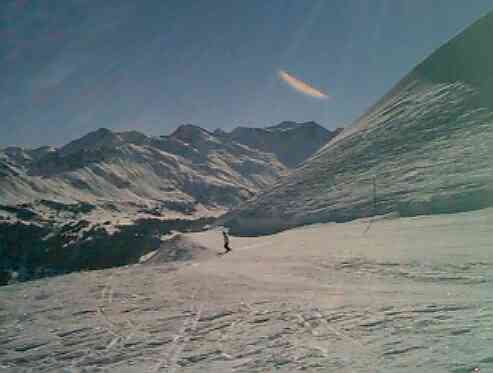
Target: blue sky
71 66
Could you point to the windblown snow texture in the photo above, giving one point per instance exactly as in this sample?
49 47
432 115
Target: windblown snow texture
407 297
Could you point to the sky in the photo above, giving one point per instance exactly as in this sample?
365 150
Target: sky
68 67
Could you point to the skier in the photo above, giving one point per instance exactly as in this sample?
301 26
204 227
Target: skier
226 242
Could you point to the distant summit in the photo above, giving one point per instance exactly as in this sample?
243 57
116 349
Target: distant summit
191 133
424 148
291 142
100 138
288 125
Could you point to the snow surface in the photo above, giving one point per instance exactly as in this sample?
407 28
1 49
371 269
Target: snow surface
400 295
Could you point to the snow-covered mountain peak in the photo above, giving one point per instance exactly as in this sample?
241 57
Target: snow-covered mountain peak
292 142
101 138
289 125
191 134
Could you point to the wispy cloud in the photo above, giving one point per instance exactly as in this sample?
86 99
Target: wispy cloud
301 86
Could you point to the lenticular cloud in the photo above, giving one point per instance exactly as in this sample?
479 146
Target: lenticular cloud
301 86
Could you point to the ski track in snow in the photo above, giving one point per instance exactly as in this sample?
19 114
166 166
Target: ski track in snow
315 299
180 339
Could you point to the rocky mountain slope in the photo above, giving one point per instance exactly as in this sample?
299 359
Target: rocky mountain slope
119 192
183 172
291 142
177 172
426 147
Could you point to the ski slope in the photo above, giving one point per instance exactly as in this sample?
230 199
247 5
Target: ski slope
406 295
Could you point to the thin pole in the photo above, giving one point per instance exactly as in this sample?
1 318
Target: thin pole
370 220
374 194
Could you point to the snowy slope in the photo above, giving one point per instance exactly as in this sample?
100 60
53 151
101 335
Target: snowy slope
427 145
403 297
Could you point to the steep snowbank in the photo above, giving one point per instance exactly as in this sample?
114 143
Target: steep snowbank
425 148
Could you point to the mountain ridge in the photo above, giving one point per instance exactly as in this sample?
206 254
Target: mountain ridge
281 139
105 163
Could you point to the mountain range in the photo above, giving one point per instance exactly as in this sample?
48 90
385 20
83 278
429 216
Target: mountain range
106 198
191 171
